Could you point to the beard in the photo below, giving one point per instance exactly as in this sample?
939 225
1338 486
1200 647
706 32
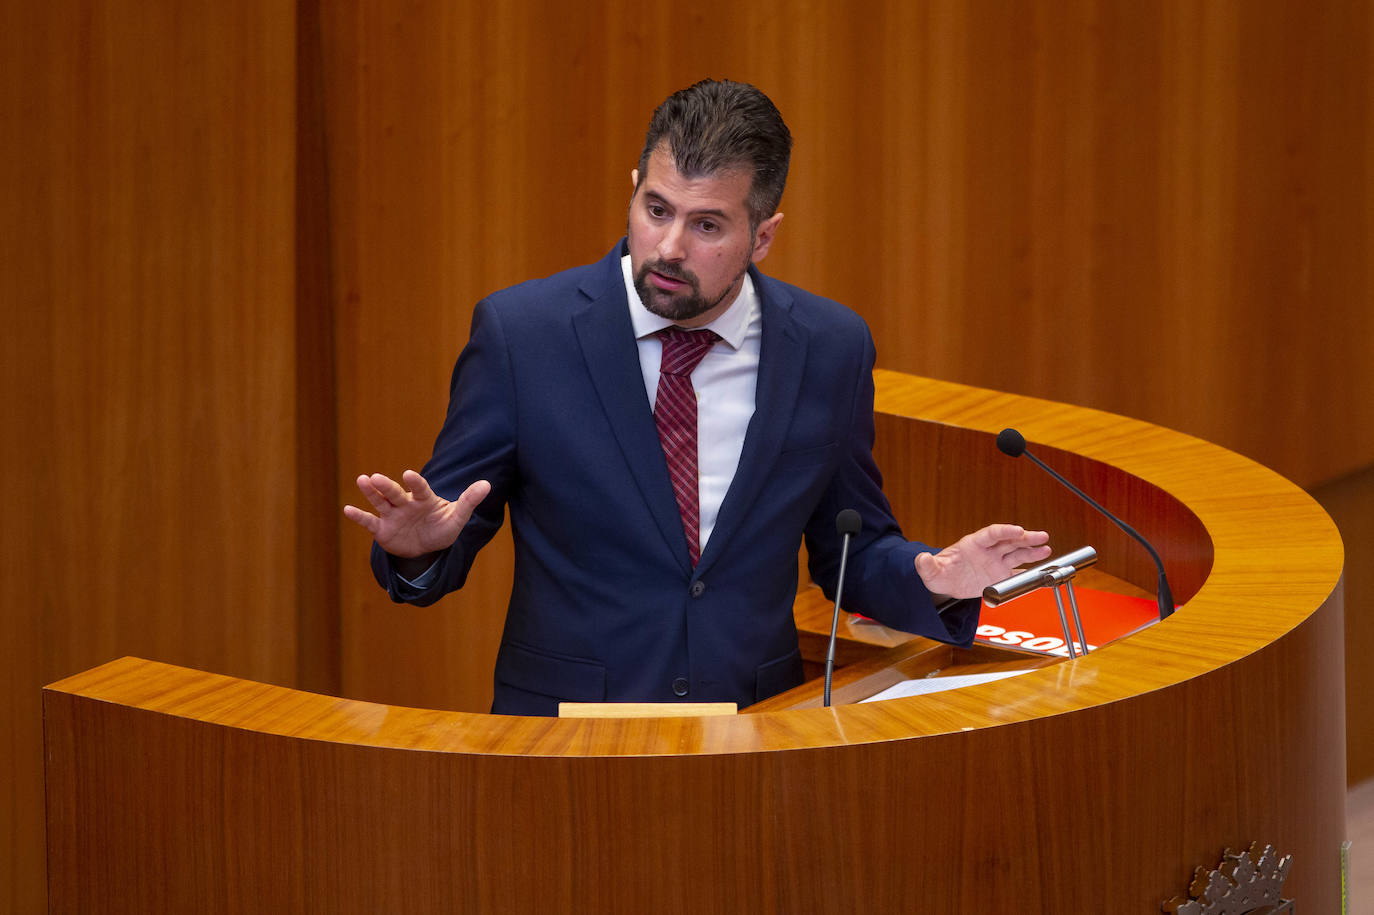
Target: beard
680 307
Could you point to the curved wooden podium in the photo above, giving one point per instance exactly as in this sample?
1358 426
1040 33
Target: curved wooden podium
1096 784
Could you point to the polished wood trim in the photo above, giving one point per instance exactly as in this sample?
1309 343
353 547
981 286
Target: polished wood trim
1103 779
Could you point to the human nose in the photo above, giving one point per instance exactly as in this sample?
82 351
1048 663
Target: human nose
672 243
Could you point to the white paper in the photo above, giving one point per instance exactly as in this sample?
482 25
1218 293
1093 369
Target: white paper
929 685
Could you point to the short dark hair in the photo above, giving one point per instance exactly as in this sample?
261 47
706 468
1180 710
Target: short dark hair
717 125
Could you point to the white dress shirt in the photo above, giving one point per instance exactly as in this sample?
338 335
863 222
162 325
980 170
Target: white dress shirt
725 382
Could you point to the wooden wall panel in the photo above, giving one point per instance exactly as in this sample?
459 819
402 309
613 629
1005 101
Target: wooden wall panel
148 359
1350 502
1107 203
316 601
410 235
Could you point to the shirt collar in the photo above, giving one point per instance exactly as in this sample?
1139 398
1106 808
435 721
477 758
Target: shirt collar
732 325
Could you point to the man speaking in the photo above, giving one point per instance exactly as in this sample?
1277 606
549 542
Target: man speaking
665 427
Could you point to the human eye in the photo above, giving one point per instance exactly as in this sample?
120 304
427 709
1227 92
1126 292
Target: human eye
657 210
709 226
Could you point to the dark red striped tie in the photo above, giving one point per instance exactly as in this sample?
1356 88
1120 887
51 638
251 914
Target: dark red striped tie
675 411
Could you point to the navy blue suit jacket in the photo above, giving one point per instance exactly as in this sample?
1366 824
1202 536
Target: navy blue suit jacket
548 403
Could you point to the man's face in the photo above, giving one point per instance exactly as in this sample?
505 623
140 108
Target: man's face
690 240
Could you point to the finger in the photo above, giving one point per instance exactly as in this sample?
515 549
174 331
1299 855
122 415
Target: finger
1027 554
1003 539
370 493
989 537
1015 533
364 519
388 489
418 485
1034 543
471 498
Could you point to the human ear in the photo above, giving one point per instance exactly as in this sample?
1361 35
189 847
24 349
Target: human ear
763 237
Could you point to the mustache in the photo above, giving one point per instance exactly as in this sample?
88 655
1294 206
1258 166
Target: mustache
672 271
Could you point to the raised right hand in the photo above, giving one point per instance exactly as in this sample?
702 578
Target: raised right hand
412 521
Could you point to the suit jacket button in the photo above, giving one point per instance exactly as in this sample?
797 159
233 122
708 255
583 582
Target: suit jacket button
698 588
680 686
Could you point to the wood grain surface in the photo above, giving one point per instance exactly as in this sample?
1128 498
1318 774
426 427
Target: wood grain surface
1104 779
148 364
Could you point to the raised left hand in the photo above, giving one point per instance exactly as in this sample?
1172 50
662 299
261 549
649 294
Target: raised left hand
982 558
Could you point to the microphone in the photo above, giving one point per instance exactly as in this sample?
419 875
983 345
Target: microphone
847 524
1037 577
1013 443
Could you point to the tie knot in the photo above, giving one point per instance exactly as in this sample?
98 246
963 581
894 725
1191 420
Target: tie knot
683 349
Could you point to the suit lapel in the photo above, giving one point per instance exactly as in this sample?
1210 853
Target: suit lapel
606 337
782 362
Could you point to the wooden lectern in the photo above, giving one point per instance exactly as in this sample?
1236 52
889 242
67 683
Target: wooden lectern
1089 785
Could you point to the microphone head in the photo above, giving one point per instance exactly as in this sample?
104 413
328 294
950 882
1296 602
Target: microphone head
1011 443
848 522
